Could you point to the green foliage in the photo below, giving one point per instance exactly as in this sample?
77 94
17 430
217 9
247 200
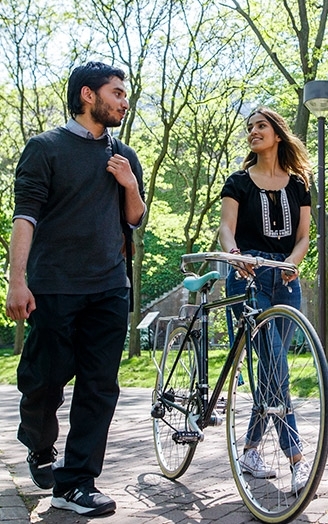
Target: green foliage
193 75
309 265
217 332
160 271
7 332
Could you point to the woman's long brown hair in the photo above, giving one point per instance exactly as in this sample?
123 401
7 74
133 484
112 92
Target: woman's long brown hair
292 154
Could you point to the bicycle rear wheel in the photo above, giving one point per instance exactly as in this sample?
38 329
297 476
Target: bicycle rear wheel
290 376
174 457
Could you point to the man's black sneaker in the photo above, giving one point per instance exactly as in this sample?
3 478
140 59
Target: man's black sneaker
85 501
40 463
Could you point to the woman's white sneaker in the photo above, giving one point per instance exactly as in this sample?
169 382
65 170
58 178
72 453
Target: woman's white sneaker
300 475
252 462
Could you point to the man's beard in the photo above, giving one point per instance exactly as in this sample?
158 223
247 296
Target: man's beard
101 114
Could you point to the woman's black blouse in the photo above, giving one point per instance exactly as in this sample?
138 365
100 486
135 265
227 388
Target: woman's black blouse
267 220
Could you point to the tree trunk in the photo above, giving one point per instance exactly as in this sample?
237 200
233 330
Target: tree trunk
19 337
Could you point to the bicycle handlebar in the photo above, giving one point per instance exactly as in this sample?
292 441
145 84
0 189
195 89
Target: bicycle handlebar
234 259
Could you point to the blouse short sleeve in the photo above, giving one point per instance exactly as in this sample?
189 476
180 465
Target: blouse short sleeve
233 186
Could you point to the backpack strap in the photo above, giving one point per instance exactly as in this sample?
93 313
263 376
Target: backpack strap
127 231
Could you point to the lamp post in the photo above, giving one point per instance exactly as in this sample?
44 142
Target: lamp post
315 98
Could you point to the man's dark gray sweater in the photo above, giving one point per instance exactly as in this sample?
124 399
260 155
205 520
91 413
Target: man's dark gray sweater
62 182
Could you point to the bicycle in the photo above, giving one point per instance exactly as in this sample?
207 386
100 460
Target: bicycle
276 368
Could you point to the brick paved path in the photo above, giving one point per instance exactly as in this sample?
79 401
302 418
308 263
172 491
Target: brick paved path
204 494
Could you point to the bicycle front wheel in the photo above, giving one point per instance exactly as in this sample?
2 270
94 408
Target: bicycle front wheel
278 396
174 457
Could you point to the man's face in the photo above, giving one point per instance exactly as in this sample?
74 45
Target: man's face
110 104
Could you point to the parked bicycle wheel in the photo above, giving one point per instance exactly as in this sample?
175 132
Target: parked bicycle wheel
174 443
286 414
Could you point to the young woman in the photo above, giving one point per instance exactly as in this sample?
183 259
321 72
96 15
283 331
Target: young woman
266 212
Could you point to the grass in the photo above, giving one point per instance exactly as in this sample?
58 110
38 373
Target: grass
137 371
8 365
141 371
134 372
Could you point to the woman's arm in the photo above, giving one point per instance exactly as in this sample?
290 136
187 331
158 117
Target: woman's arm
227 230
302 241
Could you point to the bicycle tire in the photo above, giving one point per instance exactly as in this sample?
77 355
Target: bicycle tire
306 377
174 458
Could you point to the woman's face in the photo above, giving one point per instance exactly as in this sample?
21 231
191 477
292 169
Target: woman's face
260 134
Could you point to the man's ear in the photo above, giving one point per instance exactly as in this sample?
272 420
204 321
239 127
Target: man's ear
87 95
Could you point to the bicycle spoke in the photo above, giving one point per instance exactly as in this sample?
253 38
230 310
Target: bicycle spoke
288 416
178 402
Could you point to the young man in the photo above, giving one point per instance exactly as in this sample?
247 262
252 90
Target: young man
67 239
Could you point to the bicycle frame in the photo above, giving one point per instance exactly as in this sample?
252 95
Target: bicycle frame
246 323
203 310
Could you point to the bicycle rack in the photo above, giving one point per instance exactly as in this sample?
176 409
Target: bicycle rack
170 322
185 314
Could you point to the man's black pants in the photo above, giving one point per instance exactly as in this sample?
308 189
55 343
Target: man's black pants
81 336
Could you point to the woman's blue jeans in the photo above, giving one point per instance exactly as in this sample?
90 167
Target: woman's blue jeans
271 291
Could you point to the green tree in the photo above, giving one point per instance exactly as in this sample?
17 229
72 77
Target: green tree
189 51
297 48
194 71
29 104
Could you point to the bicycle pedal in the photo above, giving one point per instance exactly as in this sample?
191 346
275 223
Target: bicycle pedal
186 437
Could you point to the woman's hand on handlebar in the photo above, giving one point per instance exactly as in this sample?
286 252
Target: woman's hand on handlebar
289 275
244 270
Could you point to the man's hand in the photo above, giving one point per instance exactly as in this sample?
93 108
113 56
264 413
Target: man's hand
20 302
120 167
134 207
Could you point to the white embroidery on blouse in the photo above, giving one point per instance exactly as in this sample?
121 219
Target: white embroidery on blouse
267 230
